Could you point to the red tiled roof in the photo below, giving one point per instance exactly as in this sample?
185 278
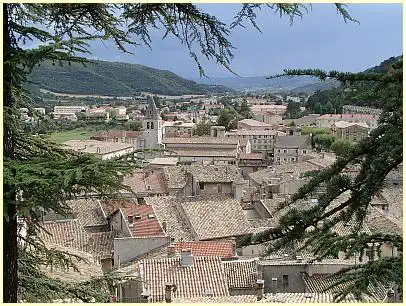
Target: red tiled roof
207 273
140 179
142 227
145 226
223 249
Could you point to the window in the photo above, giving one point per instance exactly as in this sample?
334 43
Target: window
285 151
147 125
152 125
293 159
201 186
279 151
304 151
285 280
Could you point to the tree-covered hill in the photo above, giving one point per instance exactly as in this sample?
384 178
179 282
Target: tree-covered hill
115 79
332 100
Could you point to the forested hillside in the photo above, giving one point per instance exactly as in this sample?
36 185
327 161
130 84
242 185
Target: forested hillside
332 100
115 79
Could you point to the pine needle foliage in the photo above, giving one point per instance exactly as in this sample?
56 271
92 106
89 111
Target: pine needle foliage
42 175
374 157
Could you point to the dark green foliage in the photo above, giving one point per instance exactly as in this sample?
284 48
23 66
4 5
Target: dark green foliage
39 174
229 118
115 79
340 146
375 156
293 110
202 129
323 141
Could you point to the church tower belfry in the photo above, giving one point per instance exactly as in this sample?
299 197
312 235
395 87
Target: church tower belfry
152 126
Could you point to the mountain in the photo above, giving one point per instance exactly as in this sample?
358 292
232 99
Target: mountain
382 67
262 83
115 79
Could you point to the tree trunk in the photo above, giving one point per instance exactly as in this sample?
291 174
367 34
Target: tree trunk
10 251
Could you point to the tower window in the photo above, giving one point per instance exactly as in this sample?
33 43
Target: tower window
147 125
152 125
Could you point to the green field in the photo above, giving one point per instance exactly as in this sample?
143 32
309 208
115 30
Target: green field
76 134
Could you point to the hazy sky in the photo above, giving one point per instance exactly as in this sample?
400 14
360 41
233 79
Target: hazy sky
320 40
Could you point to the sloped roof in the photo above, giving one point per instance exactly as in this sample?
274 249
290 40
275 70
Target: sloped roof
88 267
293 141
207 273
166 209
220 299
102 244
66 233
381 222
253 122
317 283
146 181
215 173
201 140
223 249
305 298
215 217
88 212
241 273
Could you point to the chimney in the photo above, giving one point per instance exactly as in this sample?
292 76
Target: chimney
391 298
130 219
171 250
164 226
259 289
186 259
234 246
169 292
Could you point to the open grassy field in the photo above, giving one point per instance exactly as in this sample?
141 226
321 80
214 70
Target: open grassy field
76 134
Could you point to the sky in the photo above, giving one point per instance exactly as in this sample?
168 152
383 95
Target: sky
321 39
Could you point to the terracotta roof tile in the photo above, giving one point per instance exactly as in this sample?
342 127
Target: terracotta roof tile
220 299
303 298
223 249
317 283
241 273
207 273
215 217
88 212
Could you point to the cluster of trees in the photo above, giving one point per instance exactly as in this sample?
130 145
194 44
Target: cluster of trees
202 128
40 175
232 113
322 139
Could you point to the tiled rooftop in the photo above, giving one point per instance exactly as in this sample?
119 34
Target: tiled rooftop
251 132
206 274
166 210
88 212
253 122
145 225
142 181
223 249
345 124
317 283
225 152
293 141
101 244
201 140
87 269
66 233
303 298
381 222
242 273
221 299
347 116
215 217
215 173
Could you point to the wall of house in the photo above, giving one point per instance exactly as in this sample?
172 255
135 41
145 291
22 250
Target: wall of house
131 291
261 210
115 154
325 268
291 187
251 251
119 224
295 281
129 248
237 190
214 188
